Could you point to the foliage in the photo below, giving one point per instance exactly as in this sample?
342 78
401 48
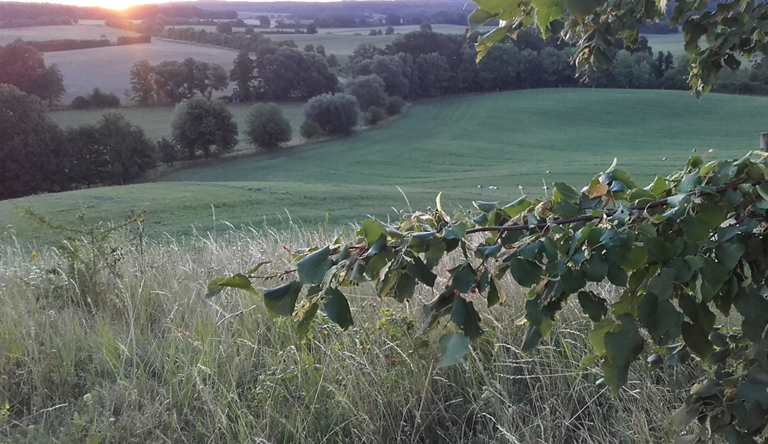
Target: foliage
267 127
395 105
682 249
289 72
374 115
96 99
242 75
336 114
171 81
23 67
199 124
368 90
30 146
128 151
731 30
310 130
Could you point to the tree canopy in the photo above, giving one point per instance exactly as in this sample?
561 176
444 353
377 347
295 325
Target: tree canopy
23 67
202 125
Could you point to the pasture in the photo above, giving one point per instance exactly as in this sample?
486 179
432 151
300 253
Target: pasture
451 146
667 43
110 68
156 121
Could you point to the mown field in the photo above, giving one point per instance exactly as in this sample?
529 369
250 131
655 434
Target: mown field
156 121
451 146
110 68
91 31
667 43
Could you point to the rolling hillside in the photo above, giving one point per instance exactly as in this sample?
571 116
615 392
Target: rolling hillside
449 146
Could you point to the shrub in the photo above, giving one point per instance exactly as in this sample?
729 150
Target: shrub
374 115
334 113
267 127
310 130
395 105
169 151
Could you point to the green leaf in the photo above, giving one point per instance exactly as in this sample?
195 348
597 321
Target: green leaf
337 309
617 275
594 306
572 280
729 254
313 267
546 11
662 285
419 270
280 301
689 182
217 284
478 18
371 230
495 293
525 272
517 207
464 277
453 347
660 318
694 229
302 328
595 268
697 339
93 439
485 207
456 230
466 318
597 334
564 191
621 348
488 251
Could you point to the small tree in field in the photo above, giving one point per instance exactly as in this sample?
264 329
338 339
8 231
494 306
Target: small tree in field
368 90
336 114
198 125
267 127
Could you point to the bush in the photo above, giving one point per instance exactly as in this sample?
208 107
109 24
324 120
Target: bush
395 105
169 151
96 99
310 130
267 127
334 113
374 115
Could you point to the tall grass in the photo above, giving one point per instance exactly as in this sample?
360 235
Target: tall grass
125 349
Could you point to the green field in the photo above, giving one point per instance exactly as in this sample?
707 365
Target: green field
449 146
156 122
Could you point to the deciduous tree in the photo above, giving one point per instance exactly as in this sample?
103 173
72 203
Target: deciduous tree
202 126
336 114
267 127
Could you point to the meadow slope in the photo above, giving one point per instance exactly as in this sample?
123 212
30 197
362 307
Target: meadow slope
450 146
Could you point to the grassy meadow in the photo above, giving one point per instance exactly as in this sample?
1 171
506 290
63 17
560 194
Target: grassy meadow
450 145
112 342
156 121
667 43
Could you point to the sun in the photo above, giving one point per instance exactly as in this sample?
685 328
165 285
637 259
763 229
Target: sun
114 4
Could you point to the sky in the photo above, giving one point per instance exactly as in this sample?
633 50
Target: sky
114 4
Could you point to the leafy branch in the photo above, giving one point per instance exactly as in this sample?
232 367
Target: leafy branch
682 249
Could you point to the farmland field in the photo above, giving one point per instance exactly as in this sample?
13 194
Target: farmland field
667 42
156 122
449 146
110 68
77 32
